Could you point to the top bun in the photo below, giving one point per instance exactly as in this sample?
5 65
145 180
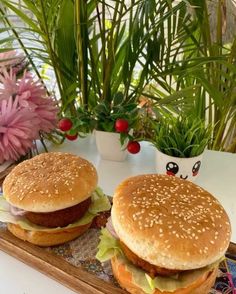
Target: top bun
170 222
50 182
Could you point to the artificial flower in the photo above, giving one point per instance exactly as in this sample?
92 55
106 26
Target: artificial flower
33 95
8 84
17 130
25 111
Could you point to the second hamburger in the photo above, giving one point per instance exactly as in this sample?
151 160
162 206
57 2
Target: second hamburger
167 235
51 198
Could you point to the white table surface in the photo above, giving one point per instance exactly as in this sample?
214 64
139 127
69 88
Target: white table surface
217 175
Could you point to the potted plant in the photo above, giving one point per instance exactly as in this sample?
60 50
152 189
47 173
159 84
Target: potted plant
111 56
109 82
180 142
113 128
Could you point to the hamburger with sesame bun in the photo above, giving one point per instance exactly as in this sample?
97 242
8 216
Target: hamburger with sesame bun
51 198
166 235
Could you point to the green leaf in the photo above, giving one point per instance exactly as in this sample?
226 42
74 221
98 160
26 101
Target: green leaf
181 136
118 98
107 247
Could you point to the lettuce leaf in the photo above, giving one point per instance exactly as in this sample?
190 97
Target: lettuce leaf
100 202
4 205
109 247
170 284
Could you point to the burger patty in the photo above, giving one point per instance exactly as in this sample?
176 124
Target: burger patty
59 218
151 269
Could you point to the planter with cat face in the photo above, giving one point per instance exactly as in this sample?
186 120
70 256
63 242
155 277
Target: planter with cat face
184 168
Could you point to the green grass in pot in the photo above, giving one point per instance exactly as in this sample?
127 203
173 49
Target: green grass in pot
182 136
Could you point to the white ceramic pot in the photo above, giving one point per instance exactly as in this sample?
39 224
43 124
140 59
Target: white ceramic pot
184 168
109 146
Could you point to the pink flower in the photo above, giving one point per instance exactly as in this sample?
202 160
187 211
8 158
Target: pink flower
30 92
8 85
47 114
25 110
17 130
31 95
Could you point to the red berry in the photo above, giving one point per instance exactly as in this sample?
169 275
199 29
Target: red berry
133 147
65 124
71 137
121 125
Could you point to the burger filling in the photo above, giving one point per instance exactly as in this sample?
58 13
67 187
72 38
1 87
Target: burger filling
72 217
59 218
149 268
139 271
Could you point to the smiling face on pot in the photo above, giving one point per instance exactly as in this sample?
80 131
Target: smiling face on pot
172 169
184 168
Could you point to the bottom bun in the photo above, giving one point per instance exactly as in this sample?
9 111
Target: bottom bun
42 238
201 286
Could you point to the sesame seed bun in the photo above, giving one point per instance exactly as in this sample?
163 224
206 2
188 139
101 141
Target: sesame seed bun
44 238
50 182
200 286
170 222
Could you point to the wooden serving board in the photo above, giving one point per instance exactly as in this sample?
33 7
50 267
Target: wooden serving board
55 267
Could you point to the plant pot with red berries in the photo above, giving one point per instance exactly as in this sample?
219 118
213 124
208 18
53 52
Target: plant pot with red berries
114 131
180 143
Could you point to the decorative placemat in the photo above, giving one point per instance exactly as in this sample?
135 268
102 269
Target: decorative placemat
226 280
81 253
